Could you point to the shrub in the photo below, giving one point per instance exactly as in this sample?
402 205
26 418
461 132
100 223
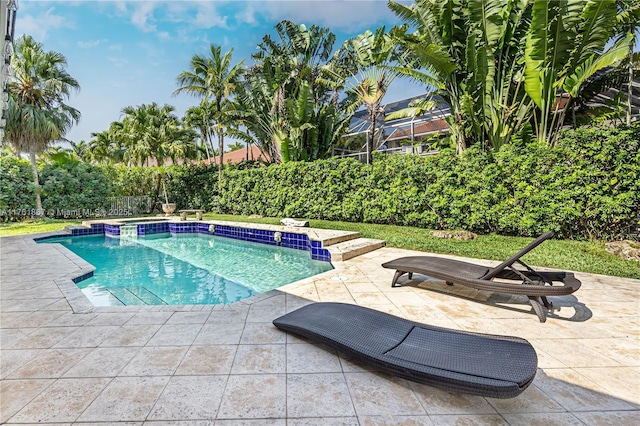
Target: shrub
192 186
17 196
585 187
79 190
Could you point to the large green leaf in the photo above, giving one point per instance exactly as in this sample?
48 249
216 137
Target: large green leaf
596 29
548 47
573 83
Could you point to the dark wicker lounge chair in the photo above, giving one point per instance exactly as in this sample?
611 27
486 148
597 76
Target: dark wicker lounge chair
532 283
478 364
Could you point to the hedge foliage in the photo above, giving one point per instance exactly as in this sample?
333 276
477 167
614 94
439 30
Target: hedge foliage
587 186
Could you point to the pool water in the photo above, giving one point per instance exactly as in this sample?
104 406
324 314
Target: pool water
185 269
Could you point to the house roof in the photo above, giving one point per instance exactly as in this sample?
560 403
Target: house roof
240 155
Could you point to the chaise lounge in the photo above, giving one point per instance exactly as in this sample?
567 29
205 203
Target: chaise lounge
473 363
532 283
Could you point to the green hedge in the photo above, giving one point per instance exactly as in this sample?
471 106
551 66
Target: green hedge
587 186
16 188
81 190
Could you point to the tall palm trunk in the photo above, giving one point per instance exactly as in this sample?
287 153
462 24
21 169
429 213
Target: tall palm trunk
630 82
220 141
36 181
220 150
205 142
373 112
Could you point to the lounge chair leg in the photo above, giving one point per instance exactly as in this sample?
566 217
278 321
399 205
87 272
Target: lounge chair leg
536 303
546 302
410 275
397 275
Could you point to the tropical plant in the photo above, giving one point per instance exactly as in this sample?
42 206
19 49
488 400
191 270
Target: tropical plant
105 146
299 55
294 109
628 22
214 79
37 113
361 63
152 132
235 146
469 52
565 45
62 157
310 130
82 149
199 118
500 64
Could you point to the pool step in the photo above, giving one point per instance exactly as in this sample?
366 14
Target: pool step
349 249
134 295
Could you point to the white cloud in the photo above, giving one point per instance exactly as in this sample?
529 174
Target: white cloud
118 61
142 16
208 17
39 25
90 43
247 15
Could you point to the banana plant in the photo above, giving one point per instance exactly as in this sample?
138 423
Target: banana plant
628 20
469 52
565 45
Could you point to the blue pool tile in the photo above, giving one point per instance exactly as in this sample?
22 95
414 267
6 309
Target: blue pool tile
288 239
112 230
321 254
83 277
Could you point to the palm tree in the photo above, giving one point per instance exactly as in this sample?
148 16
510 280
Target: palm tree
103 148
37 113
293 106
235 146
365 59
82 149
199 118
299 54
214 79
154 132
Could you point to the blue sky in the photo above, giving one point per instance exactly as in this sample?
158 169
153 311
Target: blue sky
129 52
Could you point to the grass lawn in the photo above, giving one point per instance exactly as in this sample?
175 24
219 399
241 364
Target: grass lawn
33 226
585 256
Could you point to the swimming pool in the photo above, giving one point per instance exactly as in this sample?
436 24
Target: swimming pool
167 269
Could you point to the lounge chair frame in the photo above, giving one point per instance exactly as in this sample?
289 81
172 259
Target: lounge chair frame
532 284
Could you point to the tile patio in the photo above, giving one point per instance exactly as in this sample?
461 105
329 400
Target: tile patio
63 361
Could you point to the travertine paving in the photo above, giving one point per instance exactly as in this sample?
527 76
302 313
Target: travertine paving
64 362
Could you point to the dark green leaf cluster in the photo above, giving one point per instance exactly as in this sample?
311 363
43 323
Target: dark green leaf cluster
16 187
80 191
585 187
